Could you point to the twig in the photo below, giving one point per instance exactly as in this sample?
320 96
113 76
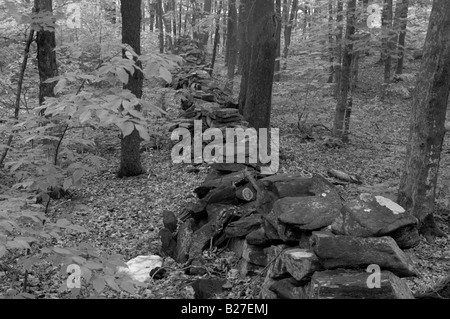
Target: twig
19 90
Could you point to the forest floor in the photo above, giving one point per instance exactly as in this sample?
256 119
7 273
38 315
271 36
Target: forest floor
123 216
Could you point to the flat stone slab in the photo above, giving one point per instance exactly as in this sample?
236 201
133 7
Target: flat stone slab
356 252
289 185
350 284
243 226
306 213
371 216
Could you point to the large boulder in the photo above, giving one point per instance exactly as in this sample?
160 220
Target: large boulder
350 284
354 252
371 216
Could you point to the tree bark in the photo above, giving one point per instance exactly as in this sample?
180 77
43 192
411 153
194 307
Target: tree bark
417 189
330 40
152 8
340 27
288 31
207 7
167 25
195 17
390 41
231 44
130 161
159 16
46 55
401 19
244 50
342 119
277 75
216 39
263 43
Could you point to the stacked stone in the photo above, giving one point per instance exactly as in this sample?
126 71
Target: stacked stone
227 117
297 228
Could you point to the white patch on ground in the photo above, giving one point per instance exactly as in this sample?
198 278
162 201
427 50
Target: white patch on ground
394 207
139 268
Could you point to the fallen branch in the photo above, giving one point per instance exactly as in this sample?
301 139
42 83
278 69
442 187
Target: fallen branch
344 176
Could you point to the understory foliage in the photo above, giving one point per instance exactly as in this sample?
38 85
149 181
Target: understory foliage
89 95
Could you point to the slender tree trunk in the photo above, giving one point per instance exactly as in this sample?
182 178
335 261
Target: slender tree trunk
159 14
340 27
277 75
263 44
244 50
207 7
417 189
180 19
401 20
390 41
195 17
174 18
216 38
288 31
330 40
46 55
167 25
231 44
47 67
130 161
340 120
152 8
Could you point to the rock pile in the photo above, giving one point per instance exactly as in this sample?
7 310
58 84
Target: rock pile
187 48
298 231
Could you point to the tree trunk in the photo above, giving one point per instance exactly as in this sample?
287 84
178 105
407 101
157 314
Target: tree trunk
167 25
401 19
130 163
216 39
330 40
47 68
340 27
46 55
288 31
195 17
390 41
263 44
417 189
152 7
342 116
231 44
244 50
159 16
207 7
278 35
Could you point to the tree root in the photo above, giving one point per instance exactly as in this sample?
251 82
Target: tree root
430 230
